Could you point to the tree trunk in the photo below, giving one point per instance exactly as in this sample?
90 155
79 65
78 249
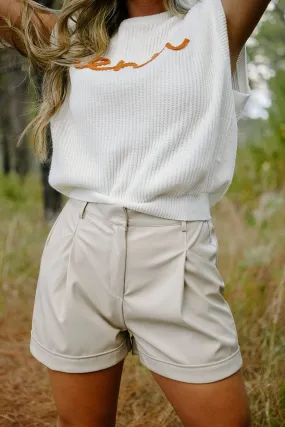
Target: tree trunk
18 96
13 119
6 155
4 127
52 198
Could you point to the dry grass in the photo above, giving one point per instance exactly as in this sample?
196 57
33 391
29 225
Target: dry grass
25 398
251 262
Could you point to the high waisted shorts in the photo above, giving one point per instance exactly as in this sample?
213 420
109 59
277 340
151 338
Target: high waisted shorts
114 280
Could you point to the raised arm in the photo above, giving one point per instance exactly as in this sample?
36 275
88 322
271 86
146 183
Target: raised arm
242 18
11 12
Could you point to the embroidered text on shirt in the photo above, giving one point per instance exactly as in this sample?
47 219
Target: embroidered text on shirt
101 64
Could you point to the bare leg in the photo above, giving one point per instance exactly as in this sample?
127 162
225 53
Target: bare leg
87 400
219 404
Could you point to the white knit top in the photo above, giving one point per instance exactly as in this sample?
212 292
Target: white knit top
152 124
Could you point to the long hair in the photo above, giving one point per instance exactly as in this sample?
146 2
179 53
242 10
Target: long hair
82 32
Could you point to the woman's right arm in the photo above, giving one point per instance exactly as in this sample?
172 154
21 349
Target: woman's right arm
11 11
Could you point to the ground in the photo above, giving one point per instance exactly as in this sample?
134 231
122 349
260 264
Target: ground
251 261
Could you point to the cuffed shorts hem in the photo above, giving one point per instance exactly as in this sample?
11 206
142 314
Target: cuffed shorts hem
78 365
196 374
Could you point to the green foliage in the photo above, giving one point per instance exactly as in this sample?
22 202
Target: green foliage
252 262
277 110
260 162
270 37
19 194
259 169
21 233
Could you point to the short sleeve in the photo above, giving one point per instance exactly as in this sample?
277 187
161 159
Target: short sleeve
240 83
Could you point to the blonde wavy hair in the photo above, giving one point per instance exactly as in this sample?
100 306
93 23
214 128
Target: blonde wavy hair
94 22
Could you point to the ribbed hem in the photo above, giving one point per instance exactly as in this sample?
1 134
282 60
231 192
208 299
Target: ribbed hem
186 208
196 374
78 365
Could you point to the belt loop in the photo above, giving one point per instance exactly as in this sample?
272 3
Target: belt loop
82 213
183 225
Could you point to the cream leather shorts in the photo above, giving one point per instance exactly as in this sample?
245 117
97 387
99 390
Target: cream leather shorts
113 280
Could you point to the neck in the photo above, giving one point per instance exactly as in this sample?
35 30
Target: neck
144 7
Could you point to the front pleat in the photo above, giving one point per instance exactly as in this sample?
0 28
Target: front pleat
117 261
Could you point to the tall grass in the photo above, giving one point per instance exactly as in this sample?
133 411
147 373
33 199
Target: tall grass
250 228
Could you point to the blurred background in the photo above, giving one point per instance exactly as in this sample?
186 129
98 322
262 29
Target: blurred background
250 224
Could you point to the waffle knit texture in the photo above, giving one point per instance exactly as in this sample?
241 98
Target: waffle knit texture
152 124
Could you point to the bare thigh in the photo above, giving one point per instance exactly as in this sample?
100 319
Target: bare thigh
87 400
220 404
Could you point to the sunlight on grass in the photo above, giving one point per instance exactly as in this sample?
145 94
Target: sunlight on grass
251 259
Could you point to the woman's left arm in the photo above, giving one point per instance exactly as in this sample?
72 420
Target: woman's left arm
242 18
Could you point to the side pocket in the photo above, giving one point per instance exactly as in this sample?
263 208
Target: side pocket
52 228
50 234
212 234
213 239
199 240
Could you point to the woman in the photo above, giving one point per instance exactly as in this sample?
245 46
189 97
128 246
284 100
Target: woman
143 99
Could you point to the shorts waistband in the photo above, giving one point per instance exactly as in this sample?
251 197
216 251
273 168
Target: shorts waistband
120 215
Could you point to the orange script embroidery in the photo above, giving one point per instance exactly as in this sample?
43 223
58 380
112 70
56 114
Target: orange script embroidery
101 64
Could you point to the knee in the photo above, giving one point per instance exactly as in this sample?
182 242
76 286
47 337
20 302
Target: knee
66 422
246 420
